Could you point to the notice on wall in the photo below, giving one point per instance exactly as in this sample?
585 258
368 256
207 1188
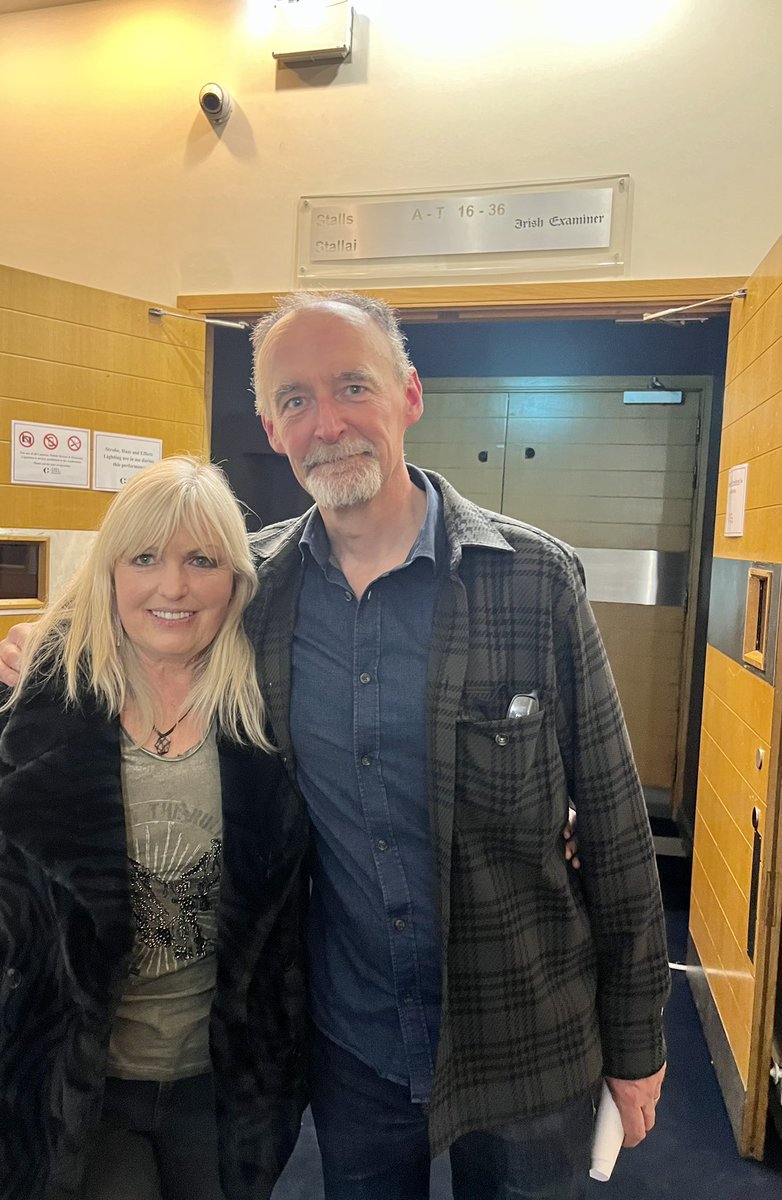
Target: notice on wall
737 500
118 457
50 455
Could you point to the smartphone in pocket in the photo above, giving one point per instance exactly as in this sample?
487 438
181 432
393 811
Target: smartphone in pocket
523 704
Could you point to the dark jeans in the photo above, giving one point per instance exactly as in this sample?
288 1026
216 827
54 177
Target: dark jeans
374 1146
155 1141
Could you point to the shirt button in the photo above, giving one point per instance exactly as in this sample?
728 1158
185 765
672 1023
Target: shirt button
408 999
365 677
348 595
366 761
12 979
400 924
382 844
501 739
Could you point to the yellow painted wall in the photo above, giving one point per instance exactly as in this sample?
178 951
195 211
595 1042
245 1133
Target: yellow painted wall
739 706
72 355
120 182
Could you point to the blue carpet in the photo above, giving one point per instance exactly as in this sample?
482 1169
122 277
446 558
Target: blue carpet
691 1154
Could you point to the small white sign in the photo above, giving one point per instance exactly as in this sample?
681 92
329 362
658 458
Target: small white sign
118 457
50 455
737 500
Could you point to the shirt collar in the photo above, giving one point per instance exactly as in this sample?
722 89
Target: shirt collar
315 538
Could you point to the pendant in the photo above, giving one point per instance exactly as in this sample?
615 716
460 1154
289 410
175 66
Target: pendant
162 744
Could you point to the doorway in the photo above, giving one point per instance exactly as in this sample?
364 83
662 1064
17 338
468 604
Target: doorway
505 350
608 464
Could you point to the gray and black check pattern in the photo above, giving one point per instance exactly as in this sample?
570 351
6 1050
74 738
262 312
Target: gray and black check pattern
550 977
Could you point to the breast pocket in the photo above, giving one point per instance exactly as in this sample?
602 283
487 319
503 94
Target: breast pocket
498 761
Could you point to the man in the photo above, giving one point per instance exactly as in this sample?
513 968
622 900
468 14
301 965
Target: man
468 990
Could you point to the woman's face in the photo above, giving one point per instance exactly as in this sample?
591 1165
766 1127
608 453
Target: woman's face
172 602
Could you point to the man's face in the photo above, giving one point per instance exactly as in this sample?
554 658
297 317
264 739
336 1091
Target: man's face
335 406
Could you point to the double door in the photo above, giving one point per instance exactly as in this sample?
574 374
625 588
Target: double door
617 481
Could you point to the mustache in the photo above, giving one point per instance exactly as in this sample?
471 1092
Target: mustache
331 454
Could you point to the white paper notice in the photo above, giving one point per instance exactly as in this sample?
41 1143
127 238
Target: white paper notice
118 457
50 455
737 500
608 1137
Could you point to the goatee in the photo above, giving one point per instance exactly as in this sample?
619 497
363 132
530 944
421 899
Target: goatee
343 475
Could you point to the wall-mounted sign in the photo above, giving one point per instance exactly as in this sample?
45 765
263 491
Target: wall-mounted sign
118 457
430 234
737 500
50 455
653 396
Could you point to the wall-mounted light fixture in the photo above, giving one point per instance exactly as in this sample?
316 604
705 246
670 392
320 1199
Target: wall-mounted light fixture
312 31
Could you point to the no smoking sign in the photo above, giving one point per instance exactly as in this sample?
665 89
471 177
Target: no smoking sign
50 455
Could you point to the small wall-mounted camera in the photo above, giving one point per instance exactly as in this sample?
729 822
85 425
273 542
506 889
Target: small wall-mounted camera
215 103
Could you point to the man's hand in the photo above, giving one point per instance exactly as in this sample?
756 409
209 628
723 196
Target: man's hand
568 833
11 652
636 1100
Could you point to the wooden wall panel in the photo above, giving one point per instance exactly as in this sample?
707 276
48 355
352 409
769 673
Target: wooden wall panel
762 285
6 623
752 421
38 295
724 981
741 716
72 355
24 378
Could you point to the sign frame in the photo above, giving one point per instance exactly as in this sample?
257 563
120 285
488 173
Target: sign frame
54 441
517 231
102 470
736 502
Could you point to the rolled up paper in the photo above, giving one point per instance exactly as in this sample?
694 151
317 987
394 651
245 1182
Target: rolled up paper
608 1137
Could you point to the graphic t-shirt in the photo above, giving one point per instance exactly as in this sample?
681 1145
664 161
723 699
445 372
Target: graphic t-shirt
174 830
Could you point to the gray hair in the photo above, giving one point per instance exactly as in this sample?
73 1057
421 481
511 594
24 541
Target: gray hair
378 311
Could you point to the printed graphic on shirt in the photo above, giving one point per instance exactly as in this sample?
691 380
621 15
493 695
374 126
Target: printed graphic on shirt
175 904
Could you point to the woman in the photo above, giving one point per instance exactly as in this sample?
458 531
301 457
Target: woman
152 879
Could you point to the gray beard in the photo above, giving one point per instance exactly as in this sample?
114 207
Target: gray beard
342 486
345 488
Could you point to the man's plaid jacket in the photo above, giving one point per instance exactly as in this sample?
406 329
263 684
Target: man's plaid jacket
551 977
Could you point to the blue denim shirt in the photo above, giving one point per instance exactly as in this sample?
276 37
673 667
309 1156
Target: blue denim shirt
358 700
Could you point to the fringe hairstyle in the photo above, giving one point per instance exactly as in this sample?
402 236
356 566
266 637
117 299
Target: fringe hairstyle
80 641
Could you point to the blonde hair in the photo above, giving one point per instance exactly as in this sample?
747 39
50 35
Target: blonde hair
80 640
376 310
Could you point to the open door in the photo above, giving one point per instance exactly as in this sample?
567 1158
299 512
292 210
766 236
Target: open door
736 885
